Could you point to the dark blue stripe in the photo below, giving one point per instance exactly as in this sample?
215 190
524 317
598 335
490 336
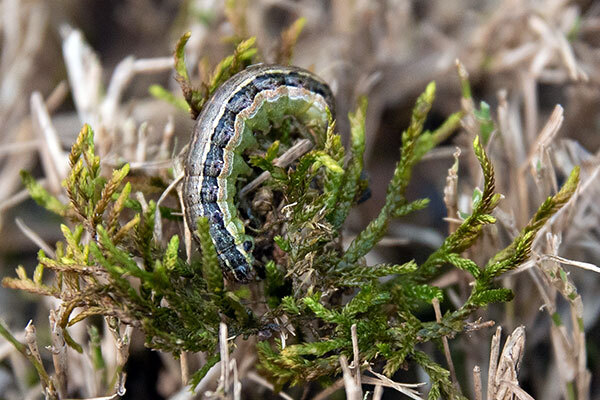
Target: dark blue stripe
209 189
224 130
213 165
242 99
229 255
268 81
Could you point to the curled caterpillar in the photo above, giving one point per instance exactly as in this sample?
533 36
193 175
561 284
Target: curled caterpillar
245 105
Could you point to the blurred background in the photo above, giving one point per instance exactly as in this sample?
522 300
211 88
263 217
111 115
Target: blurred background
64 63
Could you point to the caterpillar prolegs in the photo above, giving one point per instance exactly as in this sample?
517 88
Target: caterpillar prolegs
244 106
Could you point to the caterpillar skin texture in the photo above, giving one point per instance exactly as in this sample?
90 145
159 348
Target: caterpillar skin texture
244 106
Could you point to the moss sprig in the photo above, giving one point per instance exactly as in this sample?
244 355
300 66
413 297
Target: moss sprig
396 204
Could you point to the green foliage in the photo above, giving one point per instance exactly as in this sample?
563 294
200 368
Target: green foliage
41 195
95 349
396 203
119 269
111 263
354 167
47 382
289 37
229 66
486 124
211 270
201 373
161 93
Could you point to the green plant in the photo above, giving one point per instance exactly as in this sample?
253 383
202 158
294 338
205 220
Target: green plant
113 263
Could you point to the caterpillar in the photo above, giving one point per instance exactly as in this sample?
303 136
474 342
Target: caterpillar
247 104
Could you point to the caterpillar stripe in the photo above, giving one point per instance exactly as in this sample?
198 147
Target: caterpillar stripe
246 104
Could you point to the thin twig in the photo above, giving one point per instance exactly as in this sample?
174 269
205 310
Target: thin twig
31 340
57 96
141 147
59 354
253 376
19 197
19 147
353 392
406 388
224 350
54 159
295 152
438 317
167 137
378 392
35 238
566 261
237 385
494 353
157 217
185 370
110 397
517 390
356 361
510 361
122 343
477 383
328 391
451 194
474 326
30 351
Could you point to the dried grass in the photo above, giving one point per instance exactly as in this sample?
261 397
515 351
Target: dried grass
513 50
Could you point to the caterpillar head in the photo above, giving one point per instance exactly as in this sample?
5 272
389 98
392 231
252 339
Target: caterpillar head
238 260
